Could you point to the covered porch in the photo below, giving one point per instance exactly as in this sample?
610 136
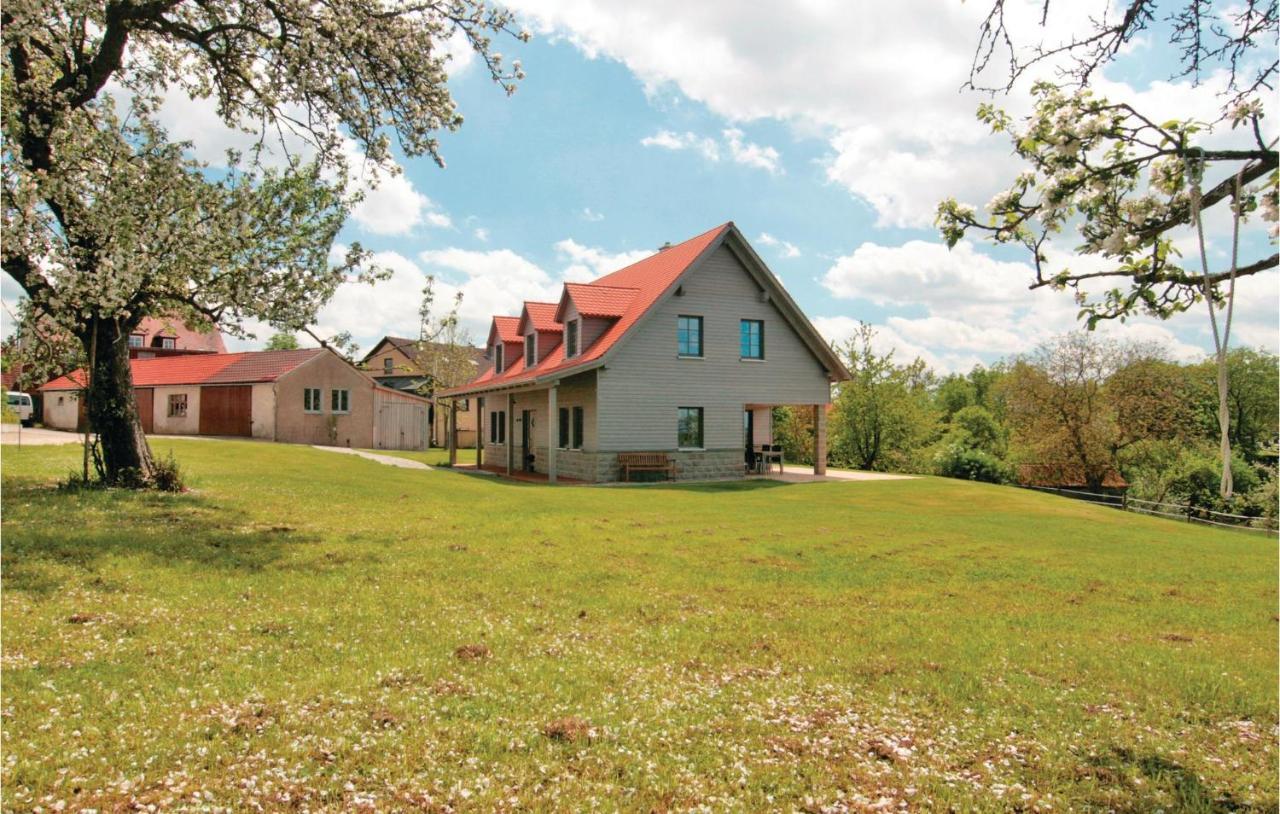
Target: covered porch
762 454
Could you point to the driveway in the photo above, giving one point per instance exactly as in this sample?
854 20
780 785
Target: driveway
35 436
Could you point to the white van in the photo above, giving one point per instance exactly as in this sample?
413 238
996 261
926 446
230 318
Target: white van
20 403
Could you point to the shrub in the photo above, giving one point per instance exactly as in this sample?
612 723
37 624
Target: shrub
168 475
955 461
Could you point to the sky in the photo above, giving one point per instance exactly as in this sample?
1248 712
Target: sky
827 131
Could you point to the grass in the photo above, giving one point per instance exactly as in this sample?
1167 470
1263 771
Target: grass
322 632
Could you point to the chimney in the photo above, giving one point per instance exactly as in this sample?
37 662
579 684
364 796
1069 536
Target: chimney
664 246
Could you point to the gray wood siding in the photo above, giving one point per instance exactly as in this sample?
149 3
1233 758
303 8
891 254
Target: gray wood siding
644 382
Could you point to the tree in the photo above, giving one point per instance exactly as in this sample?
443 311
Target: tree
106 221
1079 400
1128 181
882 412
1254 377
282 340
443 349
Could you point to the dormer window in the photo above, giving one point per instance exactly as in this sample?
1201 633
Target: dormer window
497 357
571 339
530 350
135 340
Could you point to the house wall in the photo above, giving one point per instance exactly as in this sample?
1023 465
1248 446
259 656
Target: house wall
466 423
327 372
61 409
645 381
403 365
165 424
575 391
264 411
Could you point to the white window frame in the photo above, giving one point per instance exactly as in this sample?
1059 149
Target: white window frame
345 400
168 343
137 341
311 403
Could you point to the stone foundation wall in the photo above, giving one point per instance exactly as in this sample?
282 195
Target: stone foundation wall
602 467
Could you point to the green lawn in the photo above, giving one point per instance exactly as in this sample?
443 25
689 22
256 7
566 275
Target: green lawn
434 456
319 631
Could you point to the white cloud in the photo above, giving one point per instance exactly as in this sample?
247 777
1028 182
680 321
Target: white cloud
481 234
669 140
743 152
975 307
587 263
591 216
785 248
902 133
750 154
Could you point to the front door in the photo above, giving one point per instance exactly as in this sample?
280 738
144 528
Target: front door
526 437
146 399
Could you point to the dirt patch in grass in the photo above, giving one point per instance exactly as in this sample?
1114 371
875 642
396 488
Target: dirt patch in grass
571 729
472 652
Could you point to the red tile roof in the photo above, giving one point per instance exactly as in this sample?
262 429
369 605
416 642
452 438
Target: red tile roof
595 300
649 279
543 315
212 368
185 336
508 328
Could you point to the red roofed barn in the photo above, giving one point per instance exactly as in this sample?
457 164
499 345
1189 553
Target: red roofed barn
309 396
681 356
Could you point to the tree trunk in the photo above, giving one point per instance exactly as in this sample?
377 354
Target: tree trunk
112 410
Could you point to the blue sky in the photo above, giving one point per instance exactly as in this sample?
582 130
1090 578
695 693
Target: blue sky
826 131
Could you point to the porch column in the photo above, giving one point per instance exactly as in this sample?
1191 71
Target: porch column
510 430
553 422
479 432
819 439
451 419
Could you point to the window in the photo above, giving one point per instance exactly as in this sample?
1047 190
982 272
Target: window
311 399
751 338
497 358
689 336
177 405
167 342
135 340
577 427
388 365
564 428
530 350
571 339
340 401
689 427
497 426
463 406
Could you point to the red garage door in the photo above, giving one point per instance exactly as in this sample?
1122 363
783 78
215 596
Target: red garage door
146 398
226 410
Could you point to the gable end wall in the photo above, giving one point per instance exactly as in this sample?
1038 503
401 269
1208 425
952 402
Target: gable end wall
644 381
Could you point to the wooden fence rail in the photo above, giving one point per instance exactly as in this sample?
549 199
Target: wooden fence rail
1187 512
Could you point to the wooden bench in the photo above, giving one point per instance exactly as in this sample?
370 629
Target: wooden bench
630 462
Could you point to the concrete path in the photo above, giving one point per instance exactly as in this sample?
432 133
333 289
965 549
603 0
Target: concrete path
804 474
389 460
35 436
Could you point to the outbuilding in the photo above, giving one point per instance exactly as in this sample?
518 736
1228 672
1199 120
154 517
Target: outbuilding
309 396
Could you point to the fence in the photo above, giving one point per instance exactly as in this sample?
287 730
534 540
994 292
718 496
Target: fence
1186 512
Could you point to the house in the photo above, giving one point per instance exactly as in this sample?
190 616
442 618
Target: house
310 396
405 364
684 353
167 336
